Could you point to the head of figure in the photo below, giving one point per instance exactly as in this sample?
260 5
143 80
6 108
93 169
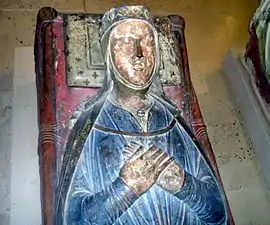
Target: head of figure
132 51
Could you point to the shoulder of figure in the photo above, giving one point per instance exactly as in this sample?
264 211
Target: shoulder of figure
92 108
166 103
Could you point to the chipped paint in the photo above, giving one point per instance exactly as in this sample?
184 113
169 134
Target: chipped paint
85 63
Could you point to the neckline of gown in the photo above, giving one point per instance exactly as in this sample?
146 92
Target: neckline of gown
140 134
110 108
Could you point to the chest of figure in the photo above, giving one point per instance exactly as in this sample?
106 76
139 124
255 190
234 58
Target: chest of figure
112 150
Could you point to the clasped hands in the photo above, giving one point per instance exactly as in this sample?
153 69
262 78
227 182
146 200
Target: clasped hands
145 168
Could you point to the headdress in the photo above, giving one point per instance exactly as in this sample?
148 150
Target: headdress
114 17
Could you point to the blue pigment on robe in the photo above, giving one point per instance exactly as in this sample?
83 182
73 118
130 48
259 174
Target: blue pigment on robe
97 195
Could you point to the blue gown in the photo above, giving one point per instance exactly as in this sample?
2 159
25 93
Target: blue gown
97 195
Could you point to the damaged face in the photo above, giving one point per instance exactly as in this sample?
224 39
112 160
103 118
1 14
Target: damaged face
133 51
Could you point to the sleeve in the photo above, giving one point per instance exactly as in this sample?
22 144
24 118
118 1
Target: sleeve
200 190
89 201
204 198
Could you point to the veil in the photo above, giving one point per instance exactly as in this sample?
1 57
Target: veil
155 85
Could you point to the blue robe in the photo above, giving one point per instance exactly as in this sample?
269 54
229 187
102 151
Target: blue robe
97 195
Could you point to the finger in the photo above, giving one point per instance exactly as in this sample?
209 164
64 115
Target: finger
165 163
128 150
131 150
137 154
134 144
157 154
132 147
160 159
157 162
126 157
150 152
128 147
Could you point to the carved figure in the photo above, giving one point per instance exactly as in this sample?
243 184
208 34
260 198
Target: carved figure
130 158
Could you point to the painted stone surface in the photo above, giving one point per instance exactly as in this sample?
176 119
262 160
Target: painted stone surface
134 151
86 63
257 57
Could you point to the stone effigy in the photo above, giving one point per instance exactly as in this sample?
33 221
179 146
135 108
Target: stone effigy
126 154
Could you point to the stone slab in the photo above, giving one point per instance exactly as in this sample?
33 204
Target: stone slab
25 184
255 121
